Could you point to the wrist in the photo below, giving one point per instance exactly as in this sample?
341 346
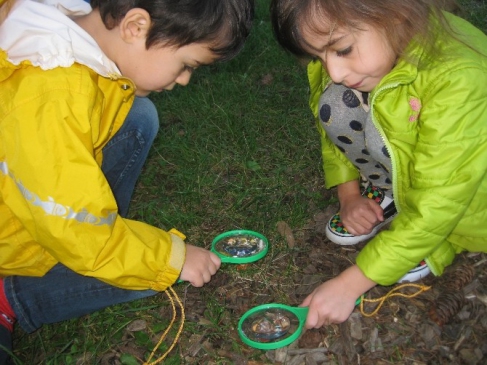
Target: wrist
357 283
348 191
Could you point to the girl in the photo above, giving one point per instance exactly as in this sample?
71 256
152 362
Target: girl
398 90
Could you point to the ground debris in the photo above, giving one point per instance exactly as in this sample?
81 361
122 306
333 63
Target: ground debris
401 332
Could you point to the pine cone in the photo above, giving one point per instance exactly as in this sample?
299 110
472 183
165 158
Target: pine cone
446 306
458 277
476 308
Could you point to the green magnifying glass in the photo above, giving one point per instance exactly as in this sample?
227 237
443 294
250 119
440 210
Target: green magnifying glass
240 246
271 326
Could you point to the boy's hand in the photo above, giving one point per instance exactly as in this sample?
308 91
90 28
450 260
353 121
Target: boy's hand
200 265
334 300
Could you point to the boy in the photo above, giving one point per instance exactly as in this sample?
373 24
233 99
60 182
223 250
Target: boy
75 130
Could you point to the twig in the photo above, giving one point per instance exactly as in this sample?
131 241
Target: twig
307 351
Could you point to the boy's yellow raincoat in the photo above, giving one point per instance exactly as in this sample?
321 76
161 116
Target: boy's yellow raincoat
61 100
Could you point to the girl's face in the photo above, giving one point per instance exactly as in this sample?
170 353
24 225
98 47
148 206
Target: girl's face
356 58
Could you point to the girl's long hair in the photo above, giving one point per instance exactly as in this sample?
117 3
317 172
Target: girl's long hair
402 21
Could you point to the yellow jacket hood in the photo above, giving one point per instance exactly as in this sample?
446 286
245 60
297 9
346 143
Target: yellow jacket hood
44 34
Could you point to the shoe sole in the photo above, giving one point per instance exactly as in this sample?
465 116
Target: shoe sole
387 204
415 274
351 240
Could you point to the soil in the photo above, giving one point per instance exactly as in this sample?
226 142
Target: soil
441 320
445 324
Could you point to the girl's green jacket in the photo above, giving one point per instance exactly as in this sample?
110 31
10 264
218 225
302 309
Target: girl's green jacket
433 119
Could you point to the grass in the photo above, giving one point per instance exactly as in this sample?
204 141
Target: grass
476 12
237 148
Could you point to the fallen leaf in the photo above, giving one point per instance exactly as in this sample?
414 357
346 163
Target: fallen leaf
137 325
286 232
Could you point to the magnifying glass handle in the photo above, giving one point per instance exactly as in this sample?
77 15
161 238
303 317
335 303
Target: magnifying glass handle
301 312
223 260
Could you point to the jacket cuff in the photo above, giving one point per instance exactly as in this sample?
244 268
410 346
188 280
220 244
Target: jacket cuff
178 252
174 264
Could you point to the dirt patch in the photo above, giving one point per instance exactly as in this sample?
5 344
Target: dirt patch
446 324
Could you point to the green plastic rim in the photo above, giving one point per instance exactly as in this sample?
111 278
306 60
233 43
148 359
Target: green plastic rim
299 312
240 260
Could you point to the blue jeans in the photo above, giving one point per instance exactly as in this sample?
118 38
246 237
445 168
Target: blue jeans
62 294
125 154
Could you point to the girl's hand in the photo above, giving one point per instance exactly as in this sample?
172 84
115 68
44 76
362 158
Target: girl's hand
334 300
328 303
358 214
200 265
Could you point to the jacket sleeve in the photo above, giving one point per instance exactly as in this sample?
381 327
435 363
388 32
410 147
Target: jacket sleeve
447 169
60 195
337 168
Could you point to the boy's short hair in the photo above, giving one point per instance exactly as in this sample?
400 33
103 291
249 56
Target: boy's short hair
224 24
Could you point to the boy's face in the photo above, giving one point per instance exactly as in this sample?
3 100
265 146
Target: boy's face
358 59
161 67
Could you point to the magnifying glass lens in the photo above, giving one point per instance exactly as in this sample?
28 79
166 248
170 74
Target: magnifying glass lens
243 245
270 325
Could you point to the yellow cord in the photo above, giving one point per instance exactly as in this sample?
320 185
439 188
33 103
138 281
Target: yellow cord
163 336
391 293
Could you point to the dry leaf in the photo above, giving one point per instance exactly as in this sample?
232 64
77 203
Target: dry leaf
286 232
137 325
267 79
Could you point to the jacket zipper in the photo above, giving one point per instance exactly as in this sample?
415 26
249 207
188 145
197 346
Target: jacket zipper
384 139
393 160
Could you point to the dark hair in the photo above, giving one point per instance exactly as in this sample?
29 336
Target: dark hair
225 24
401 20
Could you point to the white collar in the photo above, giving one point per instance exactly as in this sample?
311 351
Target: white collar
42 32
